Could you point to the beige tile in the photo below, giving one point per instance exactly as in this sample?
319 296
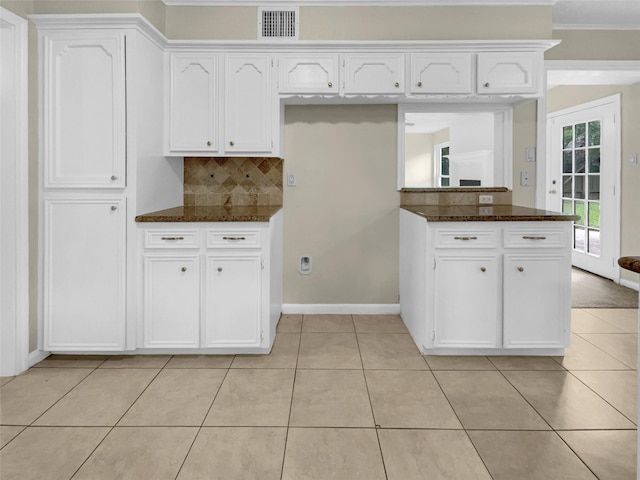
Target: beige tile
445 455
284 354
625 319
565 402
8 433
101 399
528 456
458 362
582 355
176 397
330 398
200 361
139 452
240 453
508 362
289 323
29 395
379 324
485 400
136 361
623 347
332 453
4 380
382 351
73 361
329 350
583 321
49 452
251 397
409 399
619 388
327 324
609 454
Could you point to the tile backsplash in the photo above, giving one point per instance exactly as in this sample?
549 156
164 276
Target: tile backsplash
237 181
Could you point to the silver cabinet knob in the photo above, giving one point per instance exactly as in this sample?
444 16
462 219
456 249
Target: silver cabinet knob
483 269
330 84
486 85
520 269
219 269
397 84
113 208
113 178
208 143
183 269
420 84
231 143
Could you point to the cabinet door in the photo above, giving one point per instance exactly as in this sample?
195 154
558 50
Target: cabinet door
84 274
311 74
504 73
537 296
171 301
441 73
467 301
374 74
84 109
248 99
194 103
233 293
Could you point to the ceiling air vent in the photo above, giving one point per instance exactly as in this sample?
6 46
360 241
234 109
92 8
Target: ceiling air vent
278 23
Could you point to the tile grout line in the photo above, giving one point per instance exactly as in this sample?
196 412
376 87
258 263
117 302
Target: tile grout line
604 351
293 388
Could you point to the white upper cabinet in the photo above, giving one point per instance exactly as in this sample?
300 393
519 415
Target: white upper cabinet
312 73
248 108
84 110
194 103
441 73
509 73
373 73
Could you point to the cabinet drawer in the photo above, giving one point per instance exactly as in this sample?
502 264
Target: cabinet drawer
171 239
233 238
466 239
534 238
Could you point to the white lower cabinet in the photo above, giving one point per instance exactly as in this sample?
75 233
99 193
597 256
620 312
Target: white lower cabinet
233 300
171 301
84 274
494 287
214 287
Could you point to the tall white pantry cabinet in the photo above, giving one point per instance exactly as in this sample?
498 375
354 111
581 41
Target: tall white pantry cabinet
97 138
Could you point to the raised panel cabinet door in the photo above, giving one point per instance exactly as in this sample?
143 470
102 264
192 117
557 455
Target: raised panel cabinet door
467 301
194 103
84 274
504 73
537 300
84 109
233 299
374 74
441 73
311 74
248 97
171 301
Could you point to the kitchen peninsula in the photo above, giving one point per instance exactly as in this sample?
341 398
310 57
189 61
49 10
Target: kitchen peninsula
481 279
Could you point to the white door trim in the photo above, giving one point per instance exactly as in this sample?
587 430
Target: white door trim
612 101
14 319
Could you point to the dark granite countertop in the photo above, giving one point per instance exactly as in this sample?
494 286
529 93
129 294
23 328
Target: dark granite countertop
211 214
630 263
485 213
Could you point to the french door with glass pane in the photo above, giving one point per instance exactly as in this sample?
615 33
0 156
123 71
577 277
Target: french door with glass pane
583 170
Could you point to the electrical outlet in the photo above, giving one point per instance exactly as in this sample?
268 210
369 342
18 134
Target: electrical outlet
485 199
291 179
525 181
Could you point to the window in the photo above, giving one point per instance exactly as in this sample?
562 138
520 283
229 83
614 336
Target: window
441 163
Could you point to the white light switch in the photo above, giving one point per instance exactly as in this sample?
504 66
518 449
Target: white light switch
530 154
633 159
524 179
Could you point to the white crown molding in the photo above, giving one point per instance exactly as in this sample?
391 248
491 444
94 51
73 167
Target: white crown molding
356 3
613 26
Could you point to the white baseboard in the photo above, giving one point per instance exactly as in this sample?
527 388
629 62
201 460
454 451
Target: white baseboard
342 308
630 284
37 356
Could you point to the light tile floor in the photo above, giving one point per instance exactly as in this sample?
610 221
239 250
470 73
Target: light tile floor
339 397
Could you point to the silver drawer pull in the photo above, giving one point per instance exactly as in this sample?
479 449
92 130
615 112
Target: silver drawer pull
483 269
234 238
172 238
531 237
465 238
521 269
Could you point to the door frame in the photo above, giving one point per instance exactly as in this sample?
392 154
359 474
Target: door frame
14 354
612 101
